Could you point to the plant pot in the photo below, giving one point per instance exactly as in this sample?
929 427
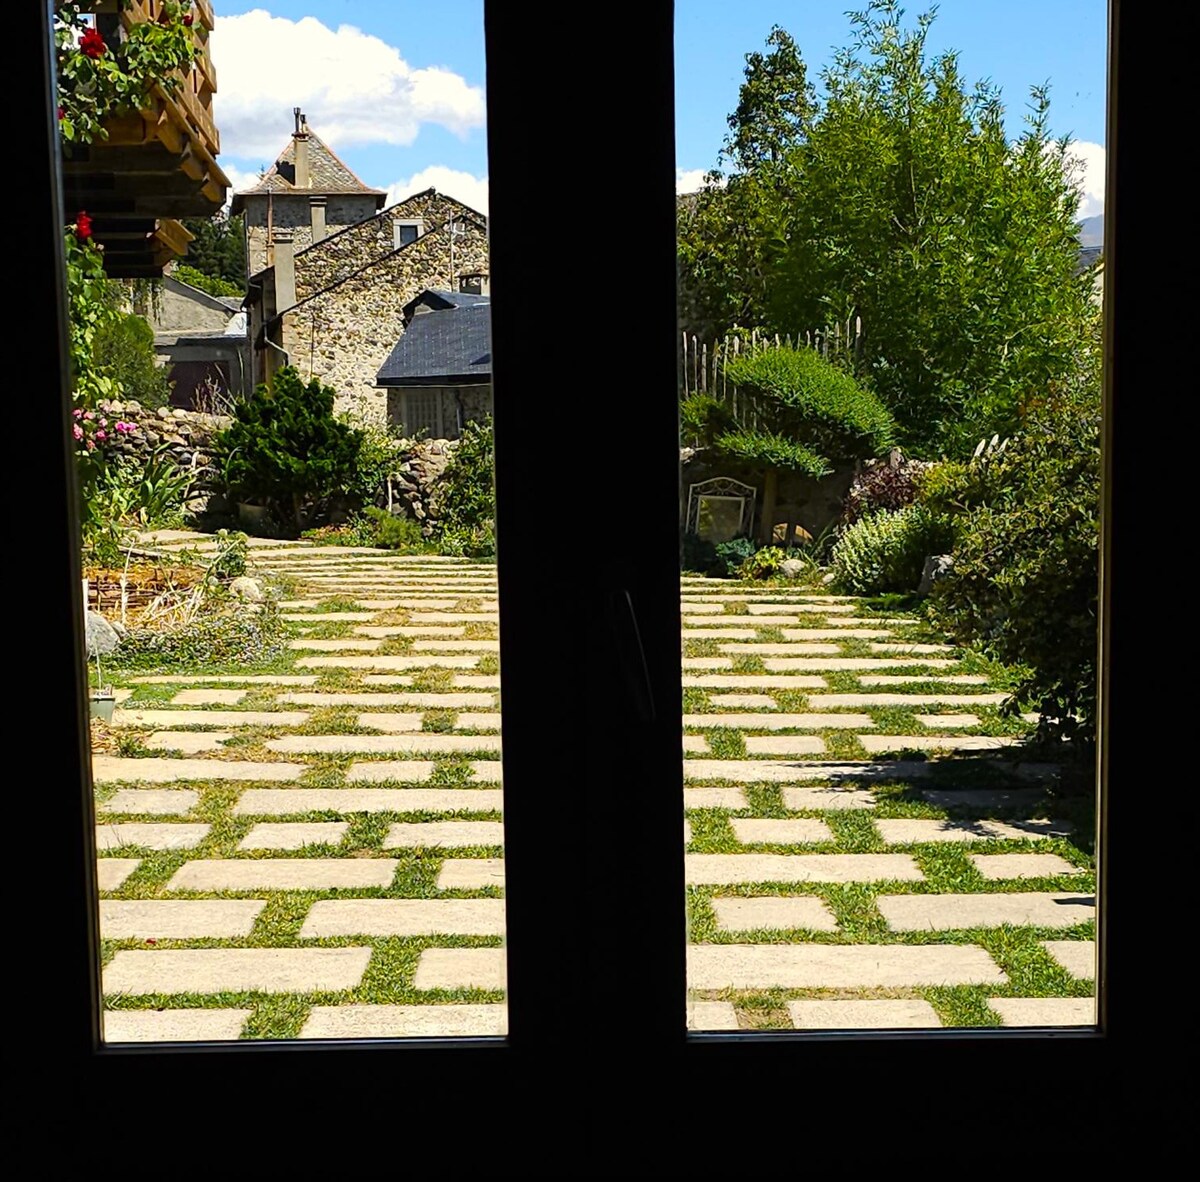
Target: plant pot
102 705
252 516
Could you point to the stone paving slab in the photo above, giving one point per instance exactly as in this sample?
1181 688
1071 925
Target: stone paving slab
808 634
906 830
460 968
342 644
470 874
877 744
112 872
282 874
694 606
393 723
848 664
234 678
209 697
782 913
430 1021
404 917
714 798
149 836
235 970
727 869
711 1015
773 621
419 661
294 835
980 799
1078 957
177 919
431 744
910 679
472 681
934 721
909 646
385 630
833 607
838 966
806 799
777 722
717 634
188 742
770 649
111 769
884 1014
319 617
443 834
151 802
221 718
173 1025
432 701
695 745
999 867
750 681
1045 1011
837 701
744 701
478 721
943 913
774 771
768 831
283 802
784 745
456 646
707 663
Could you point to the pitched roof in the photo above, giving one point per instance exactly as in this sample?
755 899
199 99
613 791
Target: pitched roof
453 343
327 173
439 300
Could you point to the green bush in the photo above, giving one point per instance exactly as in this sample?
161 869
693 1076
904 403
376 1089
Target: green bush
379 457
886 551
232 553
232 636
286 449
466 496
762 564
1026 570
731 555
213 284
699 555
124 347
389 532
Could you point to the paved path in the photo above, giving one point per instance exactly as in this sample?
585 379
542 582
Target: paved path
317 851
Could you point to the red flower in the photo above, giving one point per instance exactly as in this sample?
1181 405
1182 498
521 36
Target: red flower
187 20
92 43
62 113
83 225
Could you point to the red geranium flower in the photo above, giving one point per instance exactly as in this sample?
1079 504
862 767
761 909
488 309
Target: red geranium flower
187 20
83 225
92 43
62 114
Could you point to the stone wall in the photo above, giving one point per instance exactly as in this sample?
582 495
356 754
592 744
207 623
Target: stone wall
335 257
344 334
292 211
181 308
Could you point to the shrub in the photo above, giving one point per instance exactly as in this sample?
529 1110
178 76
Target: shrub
233 636
215 285
286 449
232 552
379 457
882 485
731 555
699 555
762 564
886 551
466 496
123 347
390 532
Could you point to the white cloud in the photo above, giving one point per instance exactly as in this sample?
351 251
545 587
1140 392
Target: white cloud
692 180
1089 175
470 190
239 178
354 88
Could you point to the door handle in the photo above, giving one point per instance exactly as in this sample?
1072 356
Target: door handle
630 655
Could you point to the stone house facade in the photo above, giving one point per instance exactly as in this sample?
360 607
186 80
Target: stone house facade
330 300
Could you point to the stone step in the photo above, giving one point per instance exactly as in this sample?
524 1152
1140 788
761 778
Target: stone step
112 872
447 834
345 644
846 664
751 681
759 831
743 701
460 968
228 678
294 835
782 913
906 830
235 970
877 744
417 661
384 630
909 679
840 701
435 701
1001 867
209 697
486 771
835 799
177 919
944 913
282 874
947 721
428 1021
188 742
711 1015
165 719
112 769
770 649
470 874
1078 957
727 869
808 634
883 1014
430 744
777 722
714 798
775 771
284 802
151 802
173 1025
404 917
1045 1011
149 836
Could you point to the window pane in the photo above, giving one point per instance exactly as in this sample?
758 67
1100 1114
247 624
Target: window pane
888 661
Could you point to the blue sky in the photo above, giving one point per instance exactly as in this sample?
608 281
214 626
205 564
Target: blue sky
403 102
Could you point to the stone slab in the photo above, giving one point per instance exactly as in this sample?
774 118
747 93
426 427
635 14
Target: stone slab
908 646
320 617
430 744
981 799
777 722
228 678
743 701
909 679
188 742
404 917
834 799
478 721
768 831
885 1014
418 661
209 697
473 681
1078 957
169 719
294 835
283 802
714 798
839 701
943 913
750 681
808 634
749 771
394 723
877 744
772 621
432 701
430 1021
777 913
1045 1011
152 802
282 874
443 834
768 649
456 646
998 867
906 830
342 644
934 721
173 1025
711 1015
470 874
847 664
235 970
784 745
111 769
707 663
727 869
384 630
460 968
149 836
839 966
177 919
717 634
112 872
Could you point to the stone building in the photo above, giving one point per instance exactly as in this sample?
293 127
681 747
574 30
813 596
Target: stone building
328 297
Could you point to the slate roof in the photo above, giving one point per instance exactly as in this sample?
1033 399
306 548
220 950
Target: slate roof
440 300
452 344
327 173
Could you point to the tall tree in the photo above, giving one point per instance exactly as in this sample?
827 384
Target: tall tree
218 249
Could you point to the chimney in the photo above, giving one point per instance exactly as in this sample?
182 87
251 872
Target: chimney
316 209
285 271
300 139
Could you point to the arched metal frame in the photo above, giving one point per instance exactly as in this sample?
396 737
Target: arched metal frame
721 488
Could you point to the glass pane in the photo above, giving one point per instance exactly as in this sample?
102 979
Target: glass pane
888 668
292 642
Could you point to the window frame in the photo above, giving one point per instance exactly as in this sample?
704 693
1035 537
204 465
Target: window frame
596 1021
398 224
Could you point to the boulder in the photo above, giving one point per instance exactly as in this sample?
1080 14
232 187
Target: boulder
247 589
937 566
792 568
101 636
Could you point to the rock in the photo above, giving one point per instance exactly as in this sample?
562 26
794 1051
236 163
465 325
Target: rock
101 636
247 589
827 579
792 568
937 567
179 413
163 412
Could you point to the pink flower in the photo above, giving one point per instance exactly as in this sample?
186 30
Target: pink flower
124 428
91 446
77 431
77 413
87 414
104 422
101 435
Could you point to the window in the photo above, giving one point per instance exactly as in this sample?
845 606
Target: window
596 937
405 231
